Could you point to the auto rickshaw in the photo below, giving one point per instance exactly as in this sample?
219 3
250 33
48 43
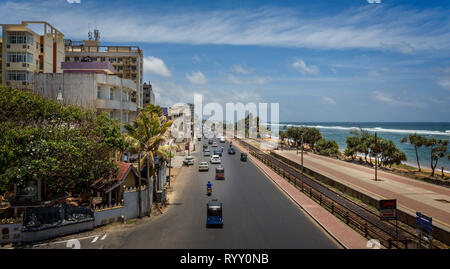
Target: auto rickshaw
220 172
243 157
214 213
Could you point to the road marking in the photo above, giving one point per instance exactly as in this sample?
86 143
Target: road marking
94 240
103 238
59 242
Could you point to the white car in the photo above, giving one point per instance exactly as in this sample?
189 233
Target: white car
215 159
203 166
222 140
206 153
214 144
189 160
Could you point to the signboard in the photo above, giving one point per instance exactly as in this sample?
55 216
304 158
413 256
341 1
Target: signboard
388 209
424 223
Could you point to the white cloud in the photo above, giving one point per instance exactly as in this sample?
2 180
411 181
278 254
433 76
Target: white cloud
156 66
326 100
445 83
196 78
301 66
381 28
74 1
387 99
254 80
374 1
239 69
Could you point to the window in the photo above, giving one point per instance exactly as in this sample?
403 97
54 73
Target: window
20 38
119 60
112 60
133 76
98 93
133 68
111 94
67 59
19 57
102 59
17 75
119 68
133 60
76 59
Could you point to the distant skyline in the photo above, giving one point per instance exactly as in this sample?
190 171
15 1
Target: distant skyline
323 61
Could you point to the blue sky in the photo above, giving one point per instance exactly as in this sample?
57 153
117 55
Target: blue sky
346 60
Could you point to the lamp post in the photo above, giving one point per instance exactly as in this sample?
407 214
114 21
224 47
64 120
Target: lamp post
376 158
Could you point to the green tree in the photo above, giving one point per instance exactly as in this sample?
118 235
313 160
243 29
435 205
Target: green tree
438 149
311 136
64 148
327 147
146 135
353 143
417 141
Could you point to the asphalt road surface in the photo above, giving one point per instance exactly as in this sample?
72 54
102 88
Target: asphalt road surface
257 215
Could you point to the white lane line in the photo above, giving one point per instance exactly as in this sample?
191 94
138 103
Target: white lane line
59 242
94 240
103 238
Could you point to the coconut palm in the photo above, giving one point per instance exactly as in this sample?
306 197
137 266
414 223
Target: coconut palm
145 135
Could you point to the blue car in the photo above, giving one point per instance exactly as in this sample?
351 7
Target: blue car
218 152
214 214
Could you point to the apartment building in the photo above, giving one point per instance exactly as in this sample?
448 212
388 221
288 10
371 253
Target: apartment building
25 53
90 85
149 95
126 60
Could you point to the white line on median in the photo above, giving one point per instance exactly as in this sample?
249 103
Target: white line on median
94 240
103 238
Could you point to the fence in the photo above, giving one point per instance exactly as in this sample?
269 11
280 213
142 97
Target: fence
354 215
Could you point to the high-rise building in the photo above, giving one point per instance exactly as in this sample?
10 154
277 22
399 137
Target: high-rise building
25 52
149 95
126 60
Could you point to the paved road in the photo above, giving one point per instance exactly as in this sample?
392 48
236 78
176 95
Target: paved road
256 215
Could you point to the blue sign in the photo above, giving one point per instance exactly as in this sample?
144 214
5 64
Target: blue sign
424 223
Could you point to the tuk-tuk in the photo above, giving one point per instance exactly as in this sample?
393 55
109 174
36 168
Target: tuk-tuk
243 157
214 213
220 172
205 146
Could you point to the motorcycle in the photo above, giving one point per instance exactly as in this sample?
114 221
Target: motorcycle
209 191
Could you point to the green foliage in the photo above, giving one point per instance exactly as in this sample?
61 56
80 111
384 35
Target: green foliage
67 148
327 147
438 149
385 151
311 136
416 140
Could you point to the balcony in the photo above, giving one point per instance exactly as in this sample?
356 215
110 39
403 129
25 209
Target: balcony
115 104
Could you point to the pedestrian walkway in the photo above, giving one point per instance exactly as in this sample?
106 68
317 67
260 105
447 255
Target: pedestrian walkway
345 235
412 195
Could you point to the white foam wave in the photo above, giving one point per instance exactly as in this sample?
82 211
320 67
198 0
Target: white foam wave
376 129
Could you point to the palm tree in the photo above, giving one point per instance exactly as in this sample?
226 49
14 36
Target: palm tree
145 135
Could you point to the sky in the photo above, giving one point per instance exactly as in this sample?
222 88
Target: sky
342 60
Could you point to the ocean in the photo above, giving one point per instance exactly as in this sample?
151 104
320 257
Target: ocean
394 131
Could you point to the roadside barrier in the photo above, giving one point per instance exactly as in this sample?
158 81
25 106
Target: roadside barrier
359 218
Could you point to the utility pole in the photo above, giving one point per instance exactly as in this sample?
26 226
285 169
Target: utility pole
376 158
302 155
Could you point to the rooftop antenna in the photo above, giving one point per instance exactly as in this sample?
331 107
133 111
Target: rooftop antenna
96 35
90 34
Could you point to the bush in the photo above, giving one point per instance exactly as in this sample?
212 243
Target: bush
327 148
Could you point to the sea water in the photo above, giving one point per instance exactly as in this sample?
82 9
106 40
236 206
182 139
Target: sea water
394 131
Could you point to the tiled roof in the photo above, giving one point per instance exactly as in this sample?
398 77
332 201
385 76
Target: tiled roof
102 184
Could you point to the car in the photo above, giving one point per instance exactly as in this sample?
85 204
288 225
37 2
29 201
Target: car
214 145
206 153
222 140
243 157
210 141
203 166
231 151
217 152
215 159
189 160
205 147
214 213
199 138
